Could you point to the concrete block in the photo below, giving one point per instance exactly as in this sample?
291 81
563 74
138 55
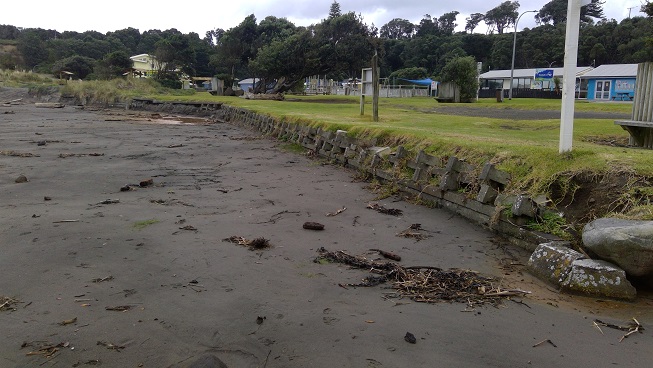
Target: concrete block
598 278
449 181
524 206
490 173
552 262
487 194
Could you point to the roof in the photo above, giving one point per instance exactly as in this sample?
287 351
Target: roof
248 81
530 73
613 70
139 56
421 82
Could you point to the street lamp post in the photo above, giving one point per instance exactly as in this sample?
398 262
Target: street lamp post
514 44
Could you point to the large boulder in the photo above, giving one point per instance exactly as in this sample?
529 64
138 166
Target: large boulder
598 278
626 243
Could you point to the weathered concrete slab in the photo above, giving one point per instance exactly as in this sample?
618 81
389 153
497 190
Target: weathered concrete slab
552 261
598 278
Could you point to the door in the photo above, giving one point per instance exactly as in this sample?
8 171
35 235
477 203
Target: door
602 91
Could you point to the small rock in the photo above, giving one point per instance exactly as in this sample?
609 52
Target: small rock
41 143
46 198
410 338
313 226
125 188
146 183
21 179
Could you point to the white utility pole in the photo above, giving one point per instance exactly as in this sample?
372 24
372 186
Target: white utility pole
569 74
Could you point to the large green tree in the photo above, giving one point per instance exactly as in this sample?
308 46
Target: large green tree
398 29
80 66
462 71
555 12
502 17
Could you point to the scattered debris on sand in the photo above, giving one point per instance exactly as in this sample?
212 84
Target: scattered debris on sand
18 154
257 243
8 304
630 328
426 284
45 349
110 346
415 231
331 214
66 155
388 255
386 211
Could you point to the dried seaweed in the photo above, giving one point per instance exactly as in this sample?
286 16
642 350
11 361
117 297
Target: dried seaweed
386 211
258 243
426 284
7 303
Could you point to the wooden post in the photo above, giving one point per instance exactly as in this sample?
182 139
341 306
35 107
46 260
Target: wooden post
375 87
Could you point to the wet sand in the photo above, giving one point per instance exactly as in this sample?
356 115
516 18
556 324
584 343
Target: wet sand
158 252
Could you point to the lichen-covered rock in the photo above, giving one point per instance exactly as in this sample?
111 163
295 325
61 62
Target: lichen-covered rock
552 261
626 243
598 278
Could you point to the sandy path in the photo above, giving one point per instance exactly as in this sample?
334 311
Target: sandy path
191 293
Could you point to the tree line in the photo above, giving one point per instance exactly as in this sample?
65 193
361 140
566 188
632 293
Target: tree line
338 47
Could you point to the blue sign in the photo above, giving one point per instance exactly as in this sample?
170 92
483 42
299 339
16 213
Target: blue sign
543 74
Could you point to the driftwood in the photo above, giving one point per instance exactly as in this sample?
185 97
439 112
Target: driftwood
426 284
388 255
629 329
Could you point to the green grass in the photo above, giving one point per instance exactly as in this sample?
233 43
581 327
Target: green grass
140 225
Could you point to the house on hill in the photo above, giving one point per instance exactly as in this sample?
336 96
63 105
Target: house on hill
145 65
611 82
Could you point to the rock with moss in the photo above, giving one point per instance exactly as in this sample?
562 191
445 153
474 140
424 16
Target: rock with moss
626 243
598 278
552 261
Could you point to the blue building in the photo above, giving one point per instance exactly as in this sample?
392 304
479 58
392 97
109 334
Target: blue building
611 82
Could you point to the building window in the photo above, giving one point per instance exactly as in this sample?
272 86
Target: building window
521 82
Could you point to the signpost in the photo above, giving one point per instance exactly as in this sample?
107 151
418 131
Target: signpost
569 74
370 87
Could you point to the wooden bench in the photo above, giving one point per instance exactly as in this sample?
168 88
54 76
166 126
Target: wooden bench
640 125
641 132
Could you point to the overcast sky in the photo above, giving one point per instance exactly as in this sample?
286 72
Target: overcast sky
200 16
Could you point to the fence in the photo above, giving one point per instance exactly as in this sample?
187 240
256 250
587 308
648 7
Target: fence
521 93
389 91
